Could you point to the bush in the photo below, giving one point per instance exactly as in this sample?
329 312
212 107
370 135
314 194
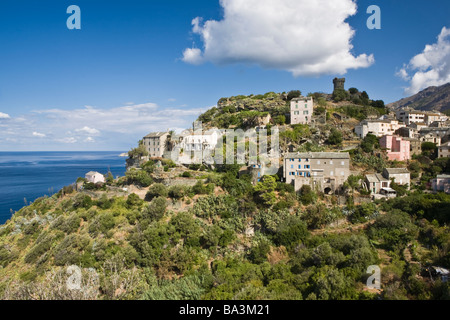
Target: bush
291 231
138 177
157 190
187 174
335 137
307 195
133 200
177 192
156 209
82 201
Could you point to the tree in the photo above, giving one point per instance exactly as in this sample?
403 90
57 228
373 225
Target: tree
429 148
291 232
395 229
138 177
265 190
280 120
365 98
378 104
109 178
353 91
340 95
294 94
307 195
156 190
138 152
370 143
335 137
156 209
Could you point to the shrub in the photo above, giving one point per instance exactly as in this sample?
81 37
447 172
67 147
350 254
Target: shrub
156 209
291 231
187 174
138 177
133 200
307 195
157 190
177 192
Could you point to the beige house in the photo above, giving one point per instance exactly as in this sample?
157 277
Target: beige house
441 183
95 177
302 110
444 150
401 176
156 144
376 182
435 117
324 171
409 116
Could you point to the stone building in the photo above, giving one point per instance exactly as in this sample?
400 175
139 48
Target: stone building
339 83
302 110
156 144
323 171
444 150
441 183
401 176
376 182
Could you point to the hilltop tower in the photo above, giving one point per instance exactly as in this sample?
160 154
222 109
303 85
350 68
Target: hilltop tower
339 83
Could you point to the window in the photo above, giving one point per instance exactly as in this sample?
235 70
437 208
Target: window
292 166
300 166
342 163
331 173
342 173
318 161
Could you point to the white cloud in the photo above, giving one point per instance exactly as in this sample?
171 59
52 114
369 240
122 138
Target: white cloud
116 128
304 37
87 130
68 140
4 116
39 135
429 68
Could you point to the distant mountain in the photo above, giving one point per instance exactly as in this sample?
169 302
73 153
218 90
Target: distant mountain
432 98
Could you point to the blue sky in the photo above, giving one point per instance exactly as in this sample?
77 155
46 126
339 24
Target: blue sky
139 66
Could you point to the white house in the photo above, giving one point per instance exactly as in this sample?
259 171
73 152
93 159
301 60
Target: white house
378 128
441 183
95 177
201 142
302 110
401 176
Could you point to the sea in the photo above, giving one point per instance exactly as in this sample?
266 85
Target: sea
26 176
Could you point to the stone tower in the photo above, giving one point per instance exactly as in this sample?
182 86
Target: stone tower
339 83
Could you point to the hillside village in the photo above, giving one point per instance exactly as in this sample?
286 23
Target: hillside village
401 136
351 185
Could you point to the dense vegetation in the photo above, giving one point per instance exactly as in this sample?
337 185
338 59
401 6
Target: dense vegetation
247 242
218 236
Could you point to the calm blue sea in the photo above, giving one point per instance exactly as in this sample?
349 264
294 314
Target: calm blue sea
32 175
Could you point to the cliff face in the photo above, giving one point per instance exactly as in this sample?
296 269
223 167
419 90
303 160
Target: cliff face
432 98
